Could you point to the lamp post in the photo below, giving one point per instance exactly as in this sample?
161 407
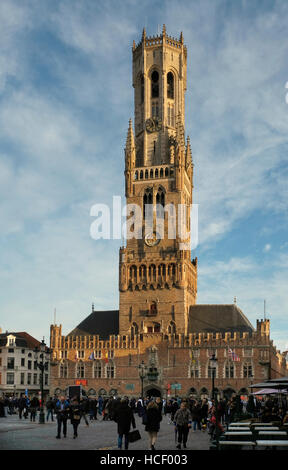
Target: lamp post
42 364
213 364
142 368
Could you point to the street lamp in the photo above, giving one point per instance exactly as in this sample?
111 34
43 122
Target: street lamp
213 365
142 368
42 364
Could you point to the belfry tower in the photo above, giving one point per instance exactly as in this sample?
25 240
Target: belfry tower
157 279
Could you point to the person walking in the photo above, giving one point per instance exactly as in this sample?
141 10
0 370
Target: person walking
182 421
50 409
152 419
84 404
124 417
76 411
34 406
62 411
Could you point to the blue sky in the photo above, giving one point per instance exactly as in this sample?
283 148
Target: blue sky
65 101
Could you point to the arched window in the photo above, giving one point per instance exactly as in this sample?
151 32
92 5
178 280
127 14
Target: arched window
170 85
229 370
194 369
136 176
110 370
63 372
247 369
151 173
160 197
142 272
161 173
172 328
155 84
80 370
134 330
97 370
146 174
152 272
156 173
133 273
147 200
141 175
166 172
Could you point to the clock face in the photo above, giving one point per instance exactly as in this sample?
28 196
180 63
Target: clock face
152 239
153 124
149 125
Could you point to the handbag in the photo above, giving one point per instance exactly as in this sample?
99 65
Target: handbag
134 436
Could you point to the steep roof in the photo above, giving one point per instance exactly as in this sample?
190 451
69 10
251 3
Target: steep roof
23 339
218 319
102 323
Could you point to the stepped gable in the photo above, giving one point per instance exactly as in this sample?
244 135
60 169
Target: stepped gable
102 323
217 319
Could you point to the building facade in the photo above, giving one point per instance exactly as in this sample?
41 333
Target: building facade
159 321
19 373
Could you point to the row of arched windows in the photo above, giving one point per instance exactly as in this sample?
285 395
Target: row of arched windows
151 272
100 370
153 173
228 370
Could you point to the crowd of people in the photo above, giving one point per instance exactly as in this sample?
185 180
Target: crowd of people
184 414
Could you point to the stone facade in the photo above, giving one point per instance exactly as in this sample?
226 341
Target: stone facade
156 320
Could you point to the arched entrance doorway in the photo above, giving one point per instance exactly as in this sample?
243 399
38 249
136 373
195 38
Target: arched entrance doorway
228 393
152 392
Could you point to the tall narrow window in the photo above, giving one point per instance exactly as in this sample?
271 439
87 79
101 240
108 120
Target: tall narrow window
147 200
155 84
142 89
170 86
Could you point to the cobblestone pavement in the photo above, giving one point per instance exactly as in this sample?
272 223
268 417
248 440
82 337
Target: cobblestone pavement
16 434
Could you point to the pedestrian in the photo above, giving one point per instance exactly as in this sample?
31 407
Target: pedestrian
50 409
21 405
34 406
124 417
196 416
182 422
152 419
76 411
62 411
2 410
84 404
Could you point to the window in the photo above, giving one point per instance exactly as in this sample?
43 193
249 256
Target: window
142 89
22 378
147 200
80 370
155 84
194 370
46 379
170 85
171 118
22 361
29 365
81 354
63 370
229 370
155 109
97 370
248 352
110 371
35 379
29 379
35 365
10 378
247 370
22 351
10 363
10 350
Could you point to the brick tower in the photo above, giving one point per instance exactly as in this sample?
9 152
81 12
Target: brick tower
157 279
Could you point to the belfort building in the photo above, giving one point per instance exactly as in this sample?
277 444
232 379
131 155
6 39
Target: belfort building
159 323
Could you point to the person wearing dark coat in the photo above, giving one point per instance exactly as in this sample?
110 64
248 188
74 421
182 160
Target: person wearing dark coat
34 405
152 419
76 411
124 417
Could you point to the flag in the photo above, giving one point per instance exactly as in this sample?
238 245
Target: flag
232 355
106 356
92 356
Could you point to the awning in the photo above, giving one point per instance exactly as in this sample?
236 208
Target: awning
268 391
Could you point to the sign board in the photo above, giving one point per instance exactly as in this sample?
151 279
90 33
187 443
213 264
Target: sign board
129 387
176 386
81 382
